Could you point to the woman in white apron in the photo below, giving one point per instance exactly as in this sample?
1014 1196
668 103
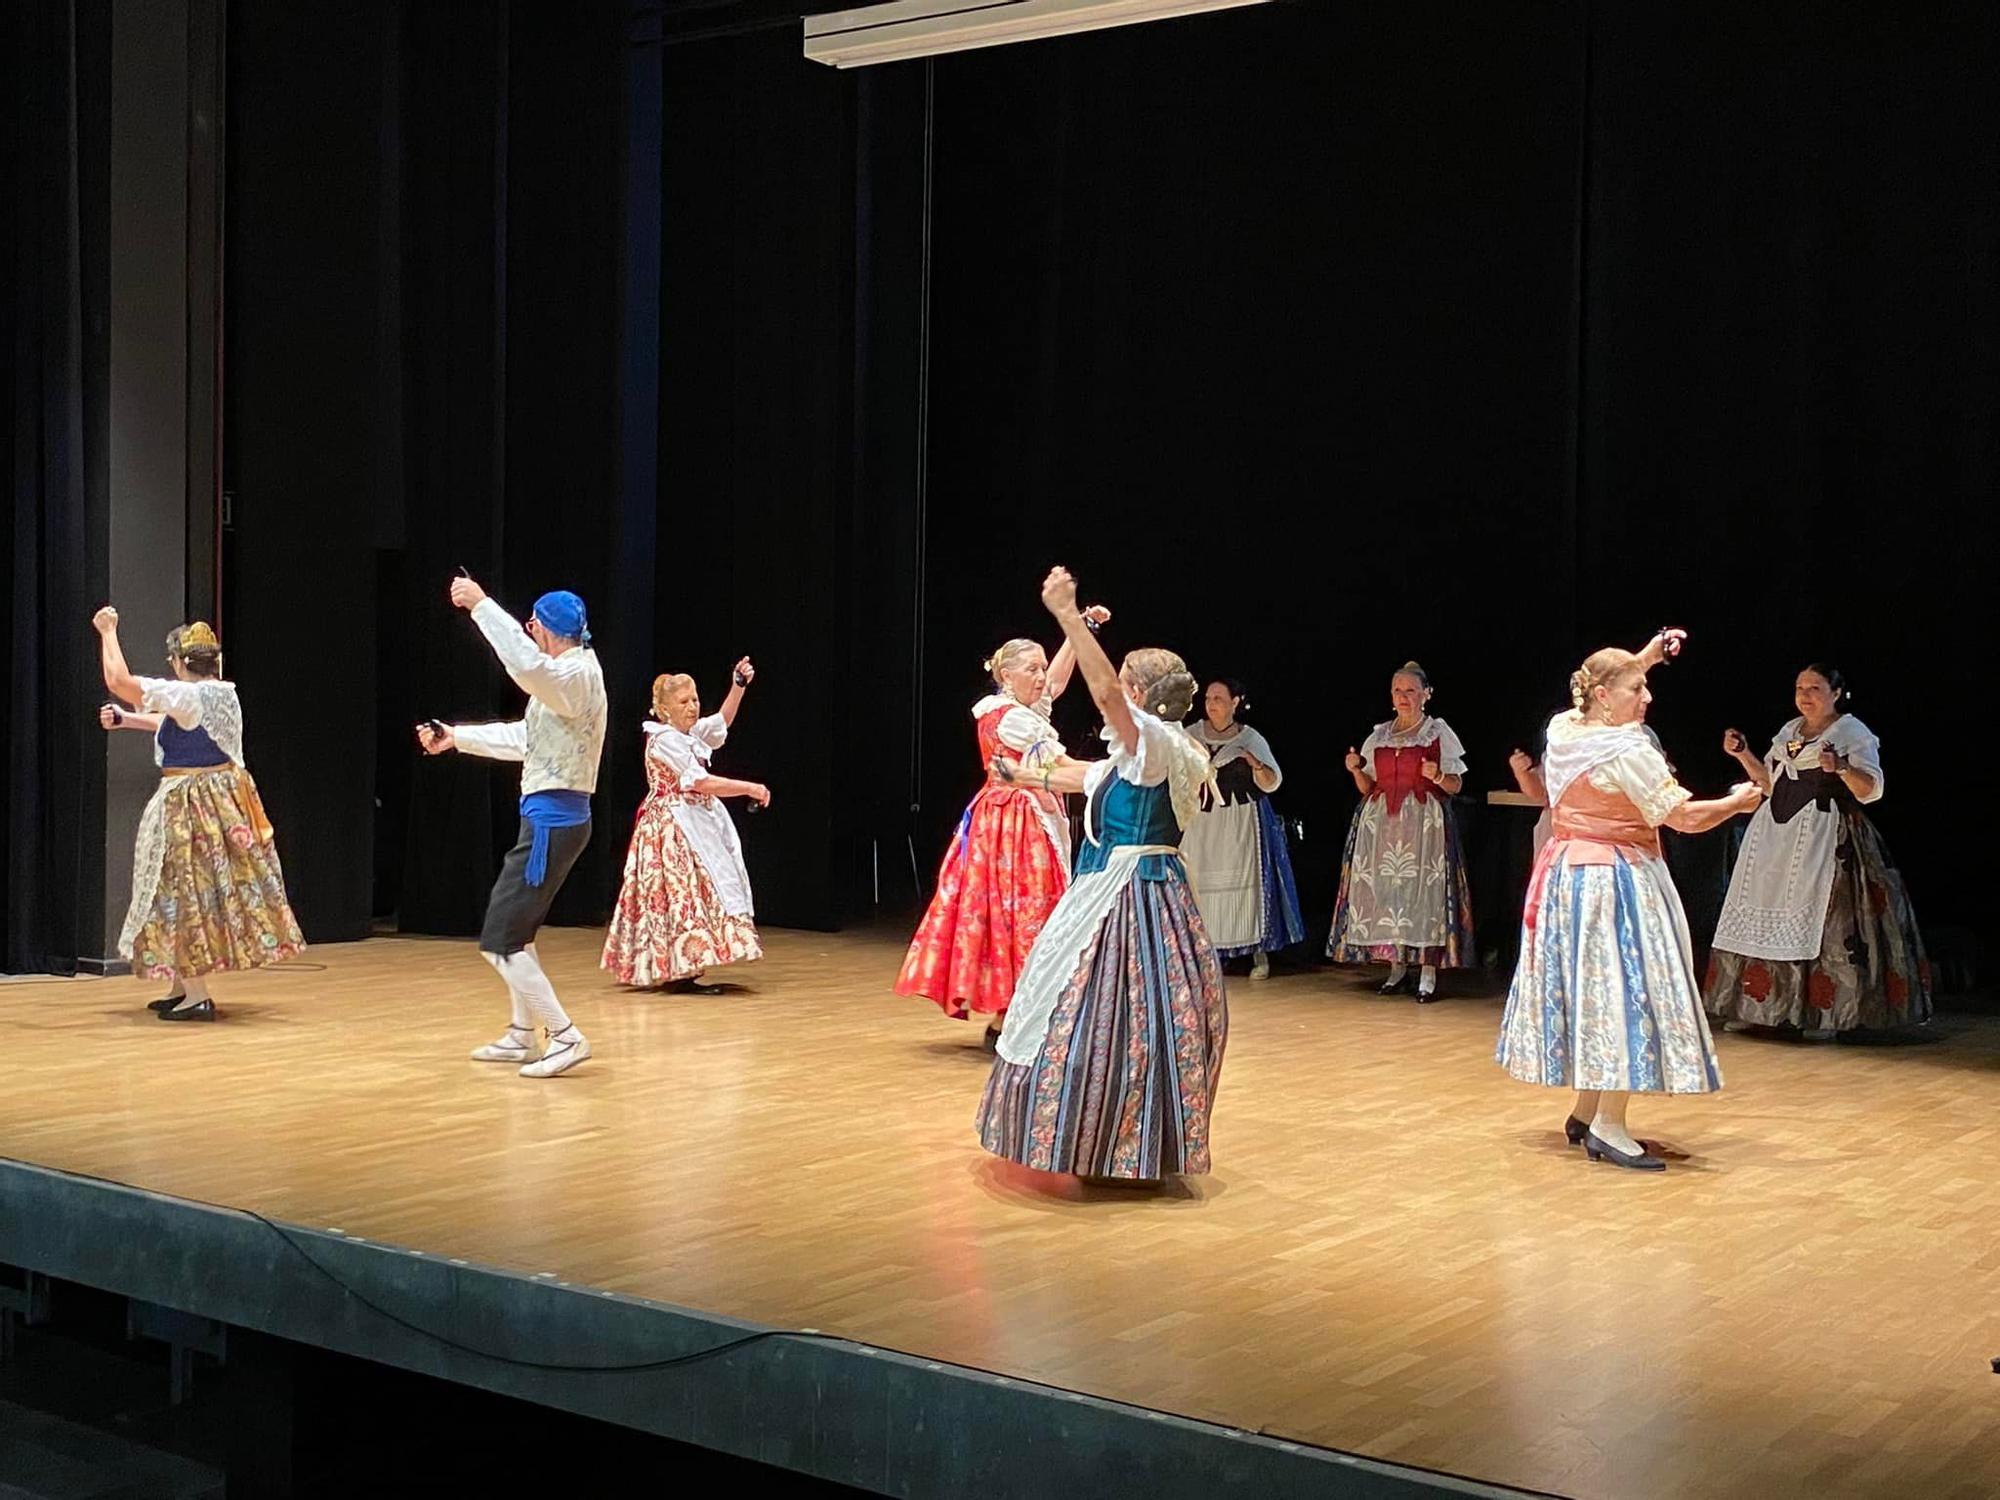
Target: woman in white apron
1818 932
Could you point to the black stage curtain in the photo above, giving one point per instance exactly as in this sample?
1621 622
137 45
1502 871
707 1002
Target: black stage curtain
53 169
1314 337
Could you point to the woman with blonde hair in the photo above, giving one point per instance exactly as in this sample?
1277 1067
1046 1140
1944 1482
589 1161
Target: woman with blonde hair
208 894
1404 899
684 905
1113 1048
1605 999
1008 863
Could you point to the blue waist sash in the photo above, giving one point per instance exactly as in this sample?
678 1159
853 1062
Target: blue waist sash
544 811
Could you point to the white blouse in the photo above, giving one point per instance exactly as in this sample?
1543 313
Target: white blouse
686 752
1024 728
1622 759
561 740
1451 752
1852 739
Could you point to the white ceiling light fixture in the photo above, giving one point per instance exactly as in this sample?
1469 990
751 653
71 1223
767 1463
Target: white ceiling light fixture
924 28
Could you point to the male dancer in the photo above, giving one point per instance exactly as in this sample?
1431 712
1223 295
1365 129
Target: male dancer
559 744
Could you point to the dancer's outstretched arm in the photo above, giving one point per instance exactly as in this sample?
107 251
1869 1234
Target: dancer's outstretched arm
111 716
1699 817
1106 691
1063 775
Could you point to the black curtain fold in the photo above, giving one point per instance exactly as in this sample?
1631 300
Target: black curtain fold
53 169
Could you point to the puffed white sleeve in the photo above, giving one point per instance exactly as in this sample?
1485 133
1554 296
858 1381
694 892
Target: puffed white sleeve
1261 748
1147 765
179 701
1030 736
1864 752
675 751
712 731
1643 775
1369 746
1451 751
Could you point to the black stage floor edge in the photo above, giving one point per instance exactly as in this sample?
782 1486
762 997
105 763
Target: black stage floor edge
794 1398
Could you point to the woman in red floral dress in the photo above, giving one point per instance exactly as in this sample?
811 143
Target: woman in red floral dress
685 903
1008 863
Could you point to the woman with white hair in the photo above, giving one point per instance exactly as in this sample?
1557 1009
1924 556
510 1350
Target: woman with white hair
1008 863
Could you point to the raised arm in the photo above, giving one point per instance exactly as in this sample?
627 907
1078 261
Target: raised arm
1737 748
1663 647
1106 691
740 678
1358 769
1062 666
118 679
1528 776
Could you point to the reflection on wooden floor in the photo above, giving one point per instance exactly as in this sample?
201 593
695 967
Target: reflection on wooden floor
1396 1255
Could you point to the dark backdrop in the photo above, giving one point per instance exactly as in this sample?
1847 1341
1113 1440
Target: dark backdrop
1312 336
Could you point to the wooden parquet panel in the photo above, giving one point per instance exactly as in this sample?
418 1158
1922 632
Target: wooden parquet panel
1397 1254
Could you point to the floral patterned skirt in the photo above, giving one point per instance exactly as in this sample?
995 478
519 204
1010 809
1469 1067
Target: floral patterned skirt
669 923
1404 896
208 894
1871 970
1604 996
1000 880
1123 1084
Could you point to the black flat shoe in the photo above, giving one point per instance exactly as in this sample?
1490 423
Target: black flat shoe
164 1004
1576 1130
1638 1161
1404 986
201 1010
693 987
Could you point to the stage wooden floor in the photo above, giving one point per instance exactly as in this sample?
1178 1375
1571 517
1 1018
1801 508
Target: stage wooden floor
1397 1255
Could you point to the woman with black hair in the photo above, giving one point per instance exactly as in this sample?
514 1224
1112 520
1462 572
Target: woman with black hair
1817 932
1235 851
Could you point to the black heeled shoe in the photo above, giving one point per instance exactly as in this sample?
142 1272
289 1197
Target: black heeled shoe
1637 1161
1403 986
1576 1130
201 1010
164 1004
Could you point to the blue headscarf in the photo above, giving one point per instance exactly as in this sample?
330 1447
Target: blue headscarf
562 613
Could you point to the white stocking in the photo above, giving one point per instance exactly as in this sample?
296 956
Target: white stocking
531 987
520 1020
